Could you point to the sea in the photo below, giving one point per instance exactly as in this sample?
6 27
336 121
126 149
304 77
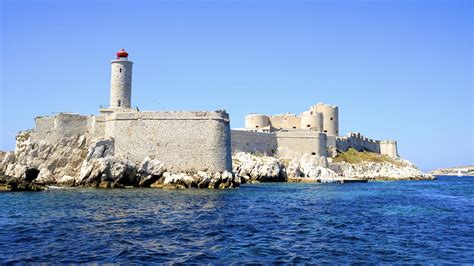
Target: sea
267 223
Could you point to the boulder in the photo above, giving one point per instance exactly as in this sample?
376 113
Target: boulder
257 168
150 171
107 169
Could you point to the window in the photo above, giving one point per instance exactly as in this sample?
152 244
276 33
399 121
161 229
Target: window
119 103
294 127
256 126
325 131
313 153
308 125
331 118
121 72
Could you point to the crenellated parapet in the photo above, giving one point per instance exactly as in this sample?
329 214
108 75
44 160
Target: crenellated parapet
357 141
320 118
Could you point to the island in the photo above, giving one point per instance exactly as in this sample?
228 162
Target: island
123 146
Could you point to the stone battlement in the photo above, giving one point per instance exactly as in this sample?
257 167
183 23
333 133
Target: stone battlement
357 141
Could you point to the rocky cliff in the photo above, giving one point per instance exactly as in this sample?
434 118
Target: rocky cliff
79 161
257 168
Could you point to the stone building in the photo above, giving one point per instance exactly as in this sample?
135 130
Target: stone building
184 141
315 132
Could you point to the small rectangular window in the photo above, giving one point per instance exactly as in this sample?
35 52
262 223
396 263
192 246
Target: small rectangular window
121 72
119 103
331 118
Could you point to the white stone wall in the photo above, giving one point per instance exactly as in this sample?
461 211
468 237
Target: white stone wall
289 143
302 142
61 125
121 84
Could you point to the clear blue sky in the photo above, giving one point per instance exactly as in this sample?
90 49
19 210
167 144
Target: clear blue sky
397 69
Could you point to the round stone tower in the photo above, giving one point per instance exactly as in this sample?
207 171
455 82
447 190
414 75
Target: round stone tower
330 118
312 120
121 82
256 121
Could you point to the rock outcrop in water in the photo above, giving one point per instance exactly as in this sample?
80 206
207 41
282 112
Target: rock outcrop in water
308 168
459 171
78 161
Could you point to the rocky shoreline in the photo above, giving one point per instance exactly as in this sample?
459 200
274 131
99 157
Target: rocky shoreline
309 168
455 171
77 161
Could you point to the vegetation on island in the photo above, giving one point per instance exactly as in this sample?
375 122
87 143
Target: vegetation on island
353 156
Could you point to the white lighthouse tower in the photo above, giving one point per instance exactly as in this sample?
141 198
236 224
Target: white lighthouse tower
121 82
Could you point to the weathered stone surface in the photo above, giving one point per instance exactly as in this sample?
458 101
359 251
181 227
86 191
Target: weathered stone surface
51 160
67 181
149 171
257 168
401 170
199 180
108 169
310 168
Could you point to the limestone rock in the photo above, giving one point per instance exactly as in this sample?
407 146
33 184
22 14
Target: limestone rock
404 170
198 180
310 168
107 169
51 161
149 171
67 181
257 168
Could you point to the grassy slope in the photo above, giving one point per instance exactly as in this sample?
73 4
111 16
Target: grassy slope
352 156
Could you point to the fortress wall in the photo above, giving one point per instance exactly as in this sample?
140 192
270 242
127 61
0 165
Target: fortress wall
389 147
96 125
60 125
184 141
288 121
360 143
70 124
44 125
302 142
253 142
331 141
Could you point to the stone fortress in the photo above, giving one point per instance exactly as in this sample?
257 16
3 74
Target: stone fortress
314 132
201 141
184 141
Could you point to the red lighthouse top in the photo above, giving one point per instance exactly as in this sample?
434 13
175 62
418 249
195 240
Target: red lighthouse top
122 53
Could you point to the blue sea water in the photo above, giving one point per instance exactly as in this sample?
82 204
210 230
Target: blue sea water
407 221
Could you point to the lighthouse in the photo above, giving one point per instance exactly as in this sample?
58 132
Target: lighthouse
121 81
